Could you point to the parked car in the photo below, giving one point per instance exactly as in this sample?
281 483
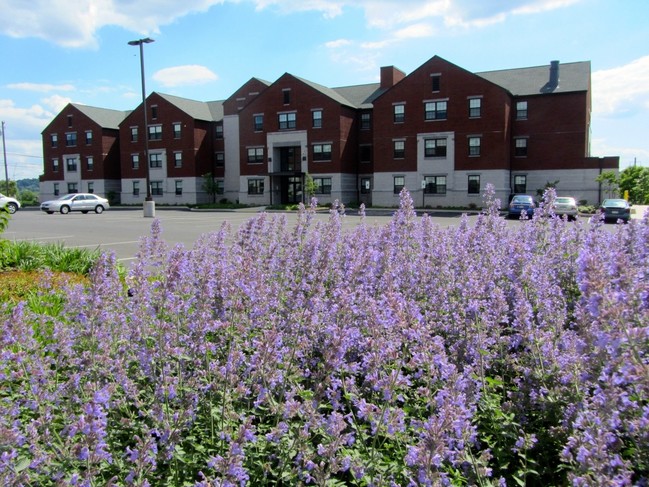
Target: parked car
615 209
83 202
11 204
565 205
519 203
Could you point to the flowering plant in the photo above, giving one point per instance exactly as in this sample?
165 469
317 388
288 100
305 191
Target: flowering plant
405 355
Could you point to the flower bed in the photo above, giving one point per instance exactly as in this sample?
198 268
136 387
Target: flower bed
397 355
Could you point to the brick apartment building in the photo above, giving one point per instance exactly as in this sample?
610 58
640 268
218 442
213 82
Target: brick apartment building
442 132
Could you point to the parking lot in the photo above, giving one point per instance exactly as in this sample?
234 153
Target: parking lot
120 230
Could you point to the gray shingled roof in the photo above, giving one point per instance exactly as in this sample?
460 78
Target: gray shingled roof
534 80
330 92
361 96
198 110
216 109
105 117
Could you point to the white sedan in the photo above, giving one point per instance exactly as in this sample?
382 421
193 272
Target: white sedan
11 204
83 202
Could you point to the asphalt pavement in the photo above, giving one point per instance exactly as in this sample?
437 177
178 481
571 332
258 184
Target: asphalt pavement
120 230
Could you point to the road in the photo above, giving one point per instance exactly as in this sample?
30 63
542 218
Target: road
120 230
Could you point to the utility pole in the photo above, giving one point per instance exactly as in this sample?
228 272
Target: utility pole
4 152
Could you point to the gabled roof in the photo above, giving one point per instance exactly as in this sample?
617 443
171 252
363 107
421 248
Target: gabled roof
104 117
534 80
216 109
198 110
330 92
361 96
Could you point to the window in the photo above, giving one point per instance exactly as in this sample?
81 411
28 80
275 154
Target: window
219 130
521 110
436 81
435 110
179 187
474 184
73 188
322 185
399 183
435 185
286 121
399 149
88 137
321 152
220 186
475 107
366 153
255 155
520 184
154 112
71 139
69 121
434 147
178 159
316 116
255 186
286 95
136 188
156 188
56 189
258 122
520 146
71 164
155 132
90 164
177 126
55 165
474 146
366 185
54 139
155 160
91 187
366 121
135 161
134 134
399 113
220 159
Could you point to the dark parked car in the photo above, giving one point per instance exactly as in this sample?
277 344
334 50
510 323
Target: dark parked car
615 209
83 202
520 203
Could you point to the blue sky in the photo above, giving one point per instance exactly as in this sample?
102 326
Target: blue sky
56 52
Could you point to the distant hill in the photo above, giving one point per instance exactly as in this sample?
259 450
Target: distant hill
30 184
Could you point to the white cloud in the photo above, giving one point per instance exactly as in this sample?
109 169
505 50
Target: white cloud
338 43
40 87
75 24
621 90
71 23
190 74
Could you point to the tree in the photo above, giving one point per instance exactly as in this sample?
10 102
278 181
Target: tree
635 180
209 185
610 181
548 185
13 188
309 187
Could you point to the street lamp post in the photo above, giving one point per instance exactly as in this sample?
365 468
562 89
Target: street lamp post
149 204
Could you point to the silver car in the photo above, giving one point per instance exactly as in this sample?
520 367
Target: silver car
565 205
11 204
83 202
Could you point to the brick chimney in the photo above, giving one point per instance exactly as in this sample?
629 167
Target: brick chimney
390 76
